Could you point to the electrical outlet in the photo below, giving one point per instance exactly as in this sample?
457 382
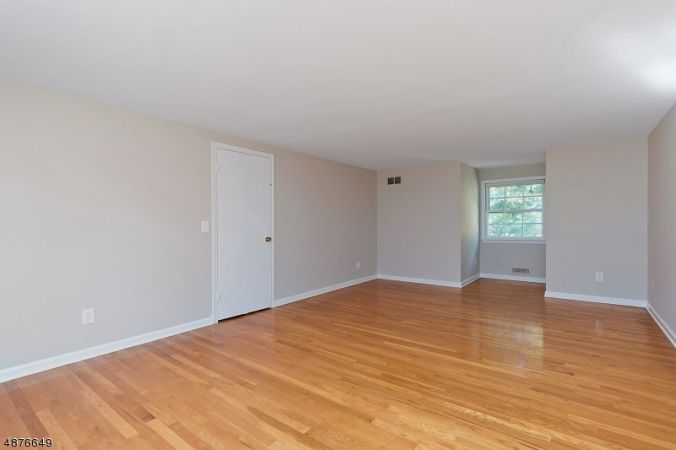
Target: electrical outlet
358 265
599 276
205 226
87 316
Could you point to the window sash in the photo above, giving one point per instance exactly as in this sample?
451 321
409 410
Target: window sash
510 193
515 210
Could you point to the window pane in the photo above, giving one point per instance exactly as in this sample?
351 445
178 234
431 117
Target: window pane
496 191
514 230
498 204
532 230
515 203
494 230
516 190
538 189
504 218
533 203
506 204
496 218
532 217
504 224
530 191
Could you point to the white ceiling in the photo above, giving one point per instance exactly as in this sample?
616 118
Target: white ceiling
375 83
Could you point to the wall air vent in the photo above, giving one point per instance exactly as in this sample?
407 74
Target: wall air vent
525 270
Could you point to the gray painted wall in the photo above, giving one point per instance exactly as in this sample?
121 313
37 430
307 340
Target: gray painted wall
470 222
325 222
597 219
419 222
498 173
499 258
101 207
428 226
661 220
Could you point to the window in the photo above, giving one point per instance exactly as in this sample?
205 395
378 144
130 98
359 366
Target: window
514 210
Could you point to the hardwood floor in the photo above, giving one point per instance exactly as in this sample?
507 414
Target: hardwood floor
380 365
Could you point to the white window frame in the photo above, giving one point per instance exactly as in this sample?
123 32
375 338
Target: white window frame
484 215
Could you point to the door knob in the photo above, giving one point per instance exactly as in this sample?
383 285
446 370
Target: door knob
268 239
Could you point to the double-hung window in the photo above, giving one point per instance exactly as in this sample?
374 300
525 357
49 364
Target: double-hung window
514 210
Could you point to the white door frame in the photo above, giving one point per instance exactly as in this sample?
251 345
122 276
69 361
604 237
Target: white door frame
215 147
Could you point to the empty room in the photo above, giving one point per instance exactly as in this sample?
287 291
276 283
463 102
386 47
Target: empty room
295 224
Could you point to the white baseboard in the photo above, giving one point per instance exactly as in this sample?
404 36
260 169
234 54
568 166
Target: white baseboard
454 284
495 276
320 291
23 370
668 332
597 299
470 280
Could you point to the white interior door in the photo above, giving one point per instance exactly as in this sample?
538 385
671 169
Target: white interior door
245 226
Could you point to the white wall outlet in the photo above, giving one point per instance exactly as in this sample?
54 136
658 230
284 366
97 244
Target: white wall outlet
87 316
205 226
358 264
599 276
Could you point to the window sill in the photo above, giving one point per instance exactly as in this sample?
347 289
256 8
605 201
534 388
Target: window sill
513 241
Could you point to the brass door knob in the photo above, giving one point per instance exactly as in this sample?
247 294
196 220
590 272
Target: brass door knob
268 239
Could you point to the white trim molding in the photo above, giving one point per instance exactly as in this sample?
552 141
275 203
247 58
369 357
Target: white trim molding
597 299
470 280
53 362
455 284
668 332
320 291
496 276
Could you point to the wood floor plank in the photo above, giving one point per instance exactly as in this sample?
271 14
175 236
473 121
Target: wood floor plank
173 439
379 365
107 411
61 437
